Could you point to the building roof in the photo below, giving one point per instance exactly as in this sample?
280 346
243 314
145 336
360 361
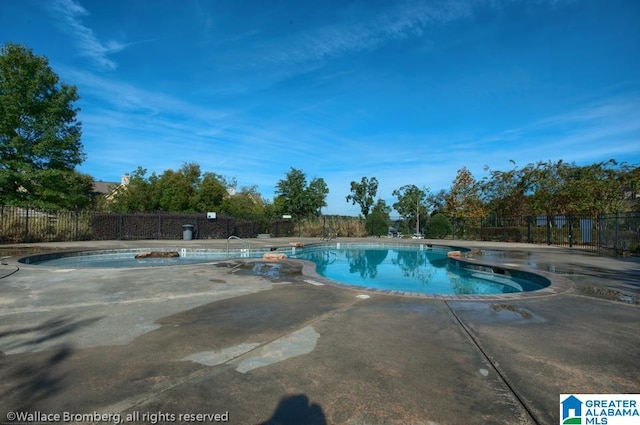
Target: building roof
105 188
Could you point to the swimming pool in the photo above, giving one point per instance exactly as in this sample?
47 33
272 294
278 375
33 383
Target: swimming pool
422 270
125 258
415 269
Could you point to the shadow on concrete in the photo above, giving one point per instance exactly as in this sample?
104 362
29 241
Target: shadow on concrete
295 410
32 376
37 380
43 333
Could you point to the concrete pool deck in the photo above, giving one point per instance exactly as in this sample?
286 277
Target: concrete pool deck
162 345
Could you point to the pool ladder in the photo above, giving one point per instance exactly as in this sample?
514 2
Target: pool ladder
246 246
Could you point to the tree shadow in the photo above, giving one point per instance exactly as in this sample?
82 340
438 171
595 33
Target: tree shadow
295 410
34 374
44 332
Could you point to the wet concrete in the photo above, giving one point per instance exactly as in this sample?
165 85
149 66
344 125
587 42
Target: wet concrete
266 344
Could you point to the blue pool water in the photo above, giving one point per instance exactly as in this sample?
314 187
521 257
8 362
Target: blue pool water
408 269
418 269
125 258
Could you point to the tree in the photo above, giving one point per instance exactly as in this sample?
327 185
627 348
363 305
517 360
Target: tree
363 194
246 203
412 203
377 223
602 188
438 226
178 189
40 142
211 192
67 190
463 199
184 190
438 201
505 192
295 197
139 195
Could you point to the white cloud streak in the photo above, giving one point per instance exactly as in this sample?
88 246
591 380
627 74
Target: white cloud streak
70 14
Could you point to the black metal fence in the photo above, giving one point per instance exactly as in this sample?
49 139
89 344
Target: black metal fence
109 226
29 225
617 234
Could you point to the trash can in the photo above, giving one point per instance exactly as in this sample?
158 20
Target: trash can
187 232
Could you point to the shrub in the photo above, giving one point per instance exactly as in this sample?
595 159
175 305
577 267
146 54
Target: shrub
438 226
377 225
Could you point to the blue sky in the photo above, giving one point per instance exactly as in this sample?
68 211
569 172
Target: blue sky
405 91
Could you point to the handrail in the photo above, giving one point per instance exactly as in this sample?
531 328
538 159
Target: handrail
247 247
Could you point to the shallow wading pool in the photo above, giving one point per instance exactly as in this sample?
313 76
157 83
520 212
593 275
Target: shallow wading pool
126 258
413 269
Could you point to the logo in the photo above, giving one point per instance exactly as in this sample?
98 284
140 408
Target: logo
599 409
571 411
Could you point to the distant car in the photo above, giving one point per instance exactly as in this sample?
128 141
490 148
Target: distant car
417 236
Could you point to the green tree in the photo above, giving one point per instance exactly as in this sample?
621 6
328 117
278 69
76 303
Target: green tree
211 192
140 194
505 193
295 197
184 190
602 188
40 142
412 204
363 194
463 199
377 223
438 201
246 203
68 190
438 226
178 189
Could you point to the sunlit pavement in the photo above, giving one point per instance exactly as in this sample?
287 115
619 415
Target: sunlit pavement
164 345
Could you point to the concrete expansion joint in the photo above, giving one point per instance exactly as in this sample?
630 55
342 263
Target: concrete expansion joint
494 365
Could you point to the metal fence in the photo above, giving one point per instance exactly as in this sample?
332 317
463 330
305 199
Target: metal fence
30 225
618 234
109 226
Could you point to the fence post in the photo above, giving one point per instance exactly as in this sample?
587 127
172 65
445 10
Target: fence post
599 224
76 216
615 237
26 226
548 230
570 232
504 229
453 228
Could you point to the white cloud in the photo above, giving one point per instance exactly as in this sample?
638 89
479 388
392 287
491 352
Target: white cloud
70 14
